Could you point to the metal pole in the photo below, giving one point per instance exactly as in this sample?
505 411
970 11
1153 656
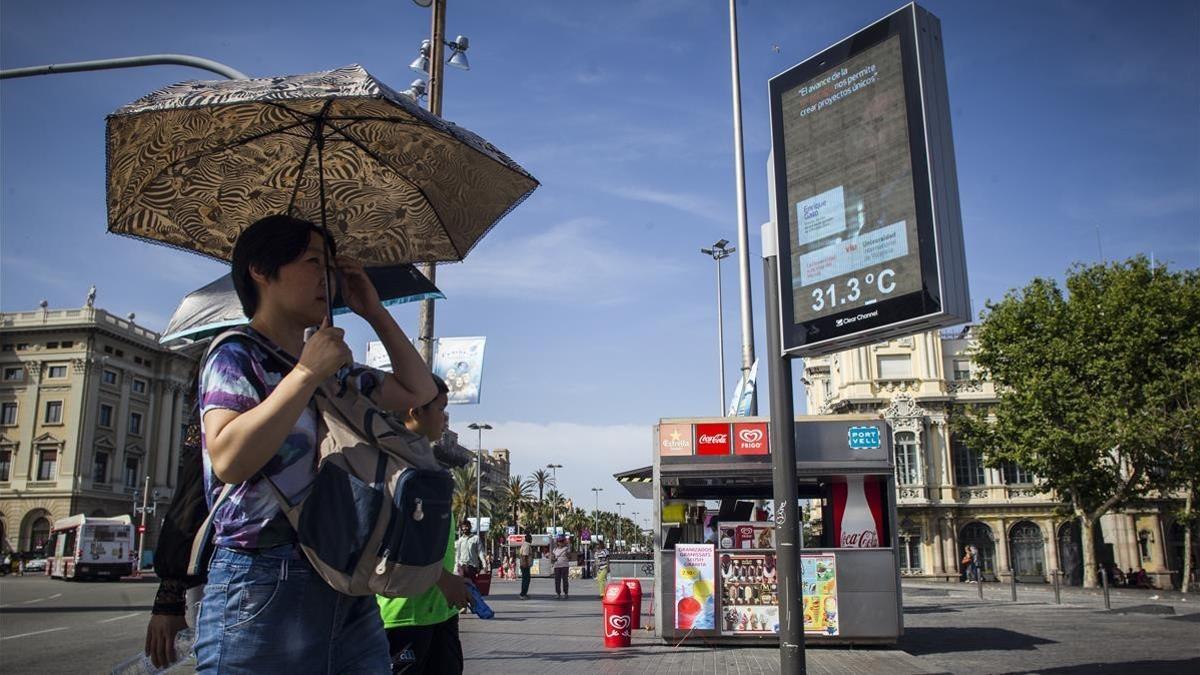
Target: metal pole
721 336
1057 589
142 529
783 470
1104 582
127 62
979 583
479 480
1014 586
437 41
554 503
743 228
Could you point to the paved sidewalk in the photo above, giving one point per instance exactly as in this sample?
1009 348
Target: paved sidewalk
545 635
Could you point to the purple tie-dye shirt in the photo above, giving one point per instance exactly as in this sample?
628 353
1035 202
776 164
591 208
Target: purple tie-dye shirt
237 376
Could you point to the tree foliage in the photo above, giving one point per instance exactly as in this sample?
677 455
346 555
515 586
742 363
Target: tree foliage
1094 384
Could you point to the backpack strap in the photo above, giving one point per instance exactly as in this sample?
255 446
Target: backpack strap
202 544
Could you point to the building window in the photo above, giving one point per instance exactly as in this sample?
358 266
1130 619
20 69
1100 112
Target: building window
6 348
100 467
908 465
51 345
139 386
5 464
16 374
53 412
131 472
910 551
1144 542
47 463
895 367
57 372
135 424
968 465
66 344
109 377
962 370
106 416
39 534
1015 475
8 413
22 346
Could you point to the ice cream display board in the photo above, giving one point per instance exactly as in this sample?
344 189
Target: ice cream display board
750 593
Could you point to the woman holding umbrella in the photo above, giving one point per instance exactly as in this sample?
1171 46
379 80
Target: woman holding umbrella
264 608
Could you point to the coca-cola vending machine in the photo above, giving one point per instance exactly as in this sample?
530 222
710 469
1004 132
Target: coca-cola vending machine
858 503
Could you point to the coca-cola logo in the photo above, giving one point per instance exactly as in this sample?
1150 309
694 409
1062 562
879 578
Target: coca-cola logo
750 436
714 438
864 539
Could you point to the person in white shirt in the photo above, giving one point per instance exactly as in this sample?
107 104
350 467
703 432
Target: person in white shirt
525 561
466 552
561 555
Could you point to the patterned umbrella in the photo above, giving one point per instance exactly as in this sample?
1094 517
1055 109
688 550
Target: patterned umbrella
214 307
192 165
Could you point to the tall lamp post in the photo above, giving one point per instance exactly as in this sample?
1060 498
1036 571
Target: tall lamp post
743 229
430 62
596 514
719 252
619 505
554 504
478 470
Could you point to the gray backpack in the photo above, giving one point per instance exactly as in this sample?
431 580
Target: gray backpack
376 519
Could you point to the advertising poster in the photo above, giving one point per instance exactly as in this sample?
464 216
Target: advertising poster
695 582
745 536
459 361
818 573
749 593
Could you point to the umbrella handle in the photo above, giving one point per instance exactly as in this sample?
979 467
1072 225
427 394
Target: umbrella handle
320 138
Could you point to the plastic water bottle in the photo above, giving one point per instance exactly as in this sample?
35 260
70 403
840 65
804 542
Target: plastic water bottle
140 663
478 606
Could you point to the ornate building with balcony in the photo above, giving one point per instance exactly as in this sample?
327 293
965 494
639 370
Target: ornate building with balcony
90 406
948 499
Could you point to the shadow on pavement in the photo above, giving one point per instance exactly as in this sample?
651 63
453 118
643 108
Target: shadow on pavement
1139 667
74 610
933 609
941 640
1142 609
566 657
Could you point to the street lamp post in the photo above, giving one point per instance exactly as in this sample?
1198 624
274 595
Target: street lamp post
146 507
596 515
431 55
719 252
743 229
478 471
554 504
619 505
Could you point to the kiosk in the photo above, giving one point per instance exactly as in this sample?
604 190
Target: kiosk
715 577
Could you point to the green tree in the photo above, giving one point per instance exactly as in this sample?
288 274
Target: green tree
1086 382
542 479
515 495
463 501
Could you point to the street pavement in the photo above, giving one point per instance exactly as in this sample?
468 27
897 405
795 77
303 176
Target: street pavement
52 626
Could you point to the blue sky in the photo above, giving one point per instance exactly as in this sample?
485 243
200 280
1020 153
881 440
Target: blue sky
1072 120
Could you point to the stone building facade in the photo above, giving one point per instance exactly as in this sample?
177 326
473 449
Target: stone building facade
948 499
90 406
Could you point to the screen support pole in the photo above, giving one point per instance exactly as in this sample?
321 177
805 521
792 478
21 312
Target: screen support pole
783 470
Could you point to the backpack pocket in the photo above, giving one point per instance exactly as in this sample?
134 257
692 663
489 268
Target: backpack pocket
338 517
419 529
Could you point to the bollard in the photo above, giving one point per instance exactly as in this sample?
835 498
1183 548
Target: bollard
1057 590
979 585
1014 586
1104 583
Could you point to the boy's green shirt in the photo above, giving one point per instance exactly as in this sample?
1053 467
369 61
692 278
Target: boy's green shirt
428 609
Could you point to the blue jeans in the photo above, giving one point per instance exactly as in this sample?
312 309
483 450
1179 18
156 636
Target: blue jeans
271 613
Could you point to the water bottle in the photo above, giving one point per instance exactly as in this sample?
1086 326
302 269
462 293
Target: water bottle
478 606
140 663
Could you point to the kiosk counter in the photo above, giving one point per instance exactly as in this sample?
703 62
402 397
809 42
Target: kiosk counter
715 574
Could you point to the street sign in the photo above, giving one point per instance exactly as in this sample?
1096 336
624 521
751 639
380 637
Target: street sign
512 529
141 529
585 535
865 193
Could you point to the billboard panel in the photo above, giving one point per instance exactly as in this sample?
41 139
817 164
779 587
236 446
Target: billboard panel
459 361
865 195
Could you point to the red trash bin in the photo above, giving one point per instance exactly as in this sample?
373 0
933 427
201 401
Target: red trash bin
616 615
483 581
635 603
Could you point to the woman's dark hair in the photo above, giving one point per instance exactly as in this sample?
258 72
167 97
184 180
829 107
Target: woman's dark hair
265 246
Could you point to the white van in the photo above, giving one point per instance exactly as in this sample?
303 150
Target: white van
83 547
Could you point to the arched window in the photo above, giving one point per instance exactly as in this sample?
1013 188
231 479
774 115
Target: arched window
39 533
908 463
1026 551
968 464
980 536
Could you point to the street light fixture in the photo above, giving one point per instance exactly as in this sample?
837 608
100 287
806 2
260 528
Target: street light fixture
619 505
416 90
478 470
554 504
719 252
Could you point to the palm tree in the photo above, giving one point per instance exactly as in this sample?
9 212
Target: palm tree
542 478
463 500
517 494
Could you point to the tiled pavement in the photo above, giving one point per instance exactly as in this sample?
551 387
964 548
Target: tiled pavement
545 635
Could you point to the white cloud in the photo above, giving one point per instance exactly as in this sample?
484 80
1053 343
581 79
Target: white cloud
701 207
590 455
567 262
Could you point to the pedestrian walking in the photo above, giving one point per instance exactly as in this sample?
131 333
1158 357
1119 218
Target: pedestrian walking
561 555
601 568
422 631
966 574
265 609
525 561
976 566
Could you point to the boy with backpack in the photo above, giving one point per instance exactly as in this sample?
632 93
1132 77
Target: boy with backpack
422 631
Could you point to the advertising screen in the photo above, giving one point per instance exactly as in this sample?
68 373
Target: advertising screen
865 194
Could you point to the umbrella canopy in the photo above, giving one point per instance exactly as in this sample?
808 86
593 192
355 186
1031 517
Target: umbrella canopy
208 310
192 165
